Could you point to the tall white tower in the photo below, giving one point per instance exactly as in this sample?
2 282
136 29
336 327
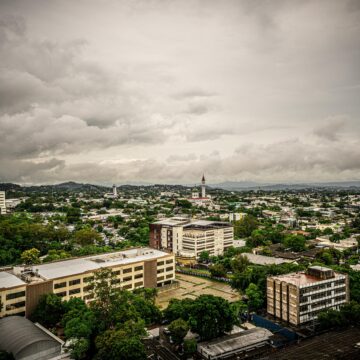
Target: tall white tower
114 191
203 191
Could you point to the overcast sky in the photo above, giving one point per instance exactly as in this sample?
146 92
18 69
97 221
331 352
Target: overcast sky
116 91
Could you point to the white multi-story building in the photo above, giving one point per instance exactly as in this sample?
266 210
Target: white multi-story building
297 298
2 203
189 238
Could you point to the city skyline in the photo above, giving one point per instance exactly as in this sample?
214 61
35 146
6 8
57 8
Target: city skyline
162 91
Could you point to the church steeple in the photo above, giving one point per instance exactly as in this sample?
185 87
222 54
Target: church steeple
203 190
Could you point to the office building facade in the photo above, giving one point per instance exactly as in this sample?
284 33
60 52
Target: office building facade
189 238
297 298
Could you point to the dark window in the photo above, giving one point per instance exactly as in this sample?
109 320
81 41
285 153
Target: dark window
15 295
160 263
126 271
170 261
74 282
170 268
138 276
116 272
60 285
138 268
127 287
160 271
74 291
15 306
139 284
160 278
115 281
128 278
88 297
61 294
169 276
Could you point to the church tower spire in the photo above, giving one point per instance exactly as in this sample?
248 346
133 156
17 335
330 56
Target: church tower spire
203 190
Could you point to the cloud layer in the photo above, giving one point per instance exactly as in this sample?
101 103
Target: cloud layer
151 91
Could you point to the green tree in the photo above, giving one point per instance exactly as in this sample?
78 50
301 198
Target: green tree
73 215
331 318
255 297
245 226
211 316
240 263
178 309
79 348
217 270
30 257
295 242
87 236
190 346
119 344
178 328
49 310
204 257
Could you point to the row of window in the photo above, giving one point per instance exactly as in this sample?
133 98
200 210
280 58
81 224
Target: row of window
77 281
15 306
169 261
160 278
15 295
169 268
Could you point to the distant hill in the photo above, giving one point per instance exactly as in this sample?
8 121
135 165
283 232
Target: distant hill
72 186
9 186
243 185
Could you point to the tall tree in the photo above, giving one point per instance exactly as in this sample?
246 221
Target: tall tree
178 328
211 316
245 226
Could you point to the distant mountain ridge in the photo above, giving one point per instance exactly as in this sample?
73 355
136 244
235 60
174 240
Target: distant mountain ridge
248 185
227 185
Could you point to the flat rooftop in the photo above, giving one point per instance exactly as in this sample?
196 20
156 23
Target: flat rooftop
265 260
80 265
8 280
301 278
206 224
172 221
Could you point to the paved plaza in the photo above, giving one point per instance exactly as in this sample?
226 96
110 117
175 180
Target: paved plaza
192 286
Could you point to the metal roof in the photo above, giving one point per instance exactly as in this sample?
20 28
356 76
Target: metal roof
18 333
232 343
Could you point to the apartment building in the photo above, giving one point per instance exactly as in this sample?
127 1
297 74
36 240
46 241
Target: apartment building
189 238
2 203
21 287
297 298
